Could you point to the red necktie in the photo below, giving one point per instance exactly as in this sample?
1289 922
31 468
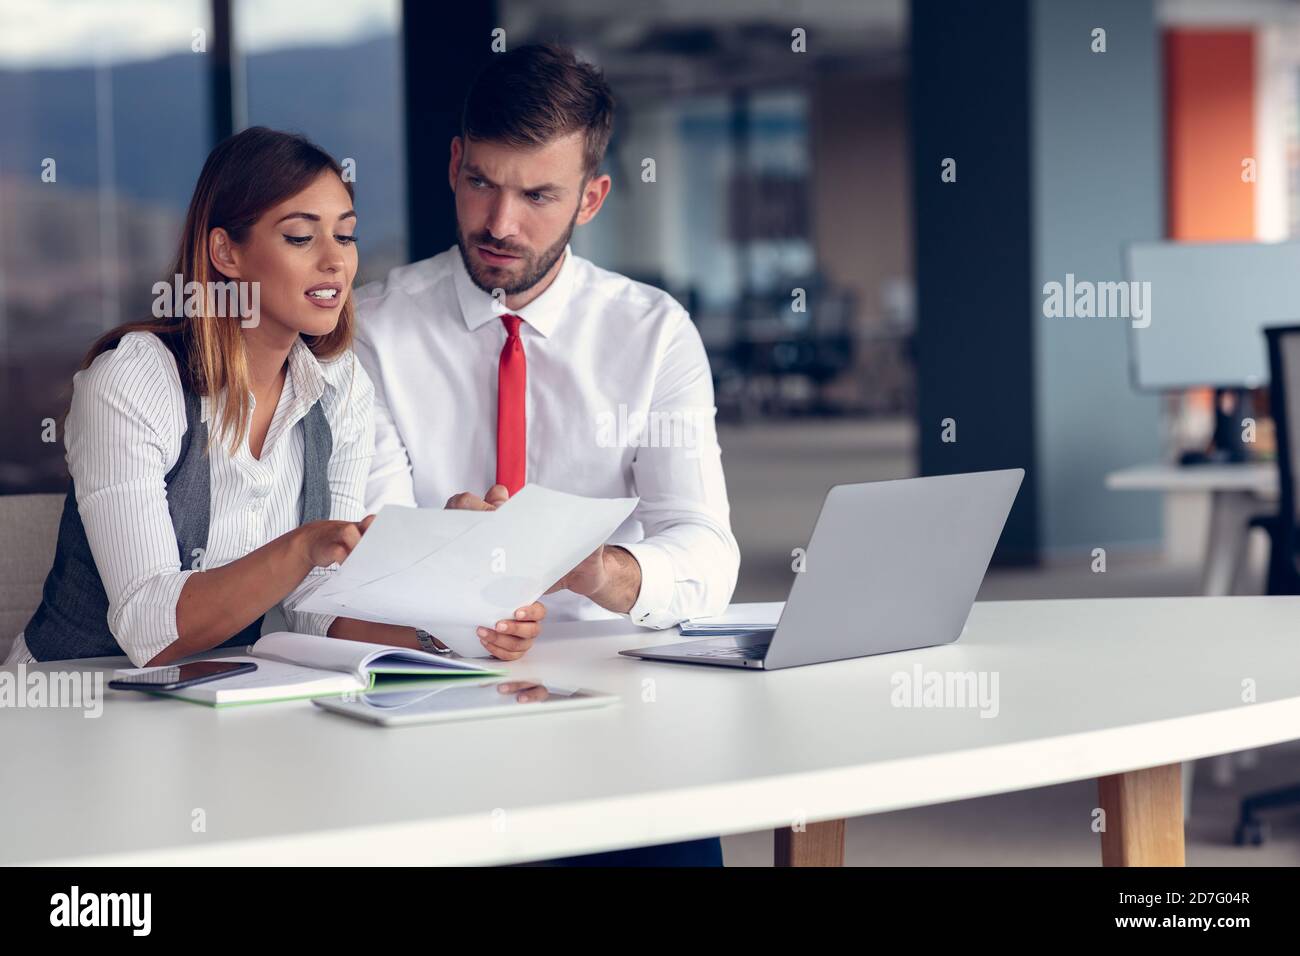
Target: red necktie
512 429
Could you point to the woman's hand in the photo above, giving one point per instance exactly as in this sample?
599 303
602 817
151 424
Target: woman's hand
511 639
328 542
217 603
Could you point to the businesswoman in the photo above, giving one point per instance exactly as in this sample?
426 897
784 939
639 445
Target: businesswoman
218 454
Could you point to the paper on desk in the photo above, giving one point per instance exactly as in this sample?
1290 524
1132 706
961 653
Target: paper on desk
449 576
736 619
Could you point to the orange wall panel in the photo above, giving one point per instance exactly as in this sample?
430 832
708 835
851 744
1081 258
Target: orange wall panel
1209 130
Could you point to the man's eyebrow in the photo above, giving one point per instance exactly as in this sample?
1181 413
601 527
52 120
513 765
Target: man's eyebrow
350 214
473 170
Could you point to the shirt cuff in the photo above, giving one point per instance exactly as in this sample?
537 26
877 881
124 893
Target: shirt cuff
658 580
308 622
144 624
304 623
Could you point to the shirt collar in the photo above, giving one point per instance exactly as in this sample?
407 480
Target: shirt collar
306 379
478 308
308 376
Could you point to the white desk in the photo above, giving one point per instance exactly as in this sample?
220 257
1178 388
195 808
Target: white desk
1237 493
1087 689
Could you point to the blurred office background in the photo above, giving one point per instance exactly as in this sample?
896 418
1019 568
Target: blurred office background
860 309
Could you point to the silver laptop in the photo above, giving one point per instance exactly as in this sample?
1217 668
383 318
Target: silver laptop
892 565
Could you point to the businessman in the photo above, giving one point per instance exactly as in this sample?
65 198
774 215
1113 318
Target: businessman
507 359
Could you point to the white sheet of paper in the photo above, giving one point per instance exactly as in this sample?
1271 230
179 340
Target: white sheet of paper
501 560
393 540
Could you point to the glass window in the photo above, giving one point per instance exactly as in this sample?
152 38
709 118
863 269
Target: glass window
106 128
338 81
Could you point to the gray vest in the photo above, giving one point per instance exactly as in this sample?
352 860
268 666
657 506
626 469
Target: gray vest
72 620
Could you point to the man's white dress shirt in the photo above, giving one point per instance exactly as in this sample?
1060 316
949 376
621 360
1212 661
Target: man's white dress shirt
619 403
123 435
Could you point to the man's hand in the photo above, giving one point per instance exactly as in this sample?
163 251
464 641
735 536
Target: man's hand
496 495
587 578
527 691
510 640
610 576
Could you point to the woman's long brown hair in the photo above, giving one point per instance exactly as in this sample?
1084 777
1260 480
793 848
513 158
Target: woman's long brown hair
244 176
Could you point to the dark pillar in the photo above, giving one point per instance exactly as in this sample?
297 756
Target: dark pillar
970 101
443 46
222 73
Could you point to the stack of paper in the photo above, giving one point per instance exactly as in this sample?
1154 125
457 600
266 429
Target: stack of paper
450 572
737 619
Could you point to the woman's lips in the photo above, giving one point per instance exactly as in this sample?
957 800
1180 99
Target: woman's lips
495 258
323 299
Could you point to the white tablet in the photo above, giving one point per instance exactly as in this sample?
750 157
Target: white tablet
462 700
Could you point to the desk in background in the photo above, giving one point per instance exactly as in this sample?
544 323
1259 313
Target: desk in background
1237 494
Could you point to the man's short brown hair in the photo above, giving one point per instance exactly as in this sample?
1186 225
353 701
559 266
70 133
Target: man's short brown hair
533 94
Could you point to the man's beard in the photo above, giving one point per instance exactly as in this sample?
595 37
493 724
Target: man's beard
535 267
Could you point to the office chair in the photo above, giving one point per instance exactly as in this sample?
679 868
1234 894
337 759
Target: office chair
1284 536
29 527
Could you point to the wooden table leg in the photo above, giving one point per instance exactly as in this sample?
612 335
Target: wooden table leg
817 844
1144 817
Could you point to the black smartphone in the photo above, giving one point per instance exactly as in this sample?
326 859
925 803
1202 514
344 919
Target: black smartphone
176 676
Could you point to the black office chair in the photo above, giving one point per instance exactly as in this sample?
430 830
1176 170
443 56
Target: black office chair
1284 550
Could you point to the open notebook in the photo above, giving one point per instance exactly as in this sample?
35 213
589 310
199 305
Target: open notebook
296 666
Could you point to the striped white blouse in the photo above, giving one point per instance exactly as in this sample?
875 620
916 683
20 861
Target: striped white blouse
123 435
